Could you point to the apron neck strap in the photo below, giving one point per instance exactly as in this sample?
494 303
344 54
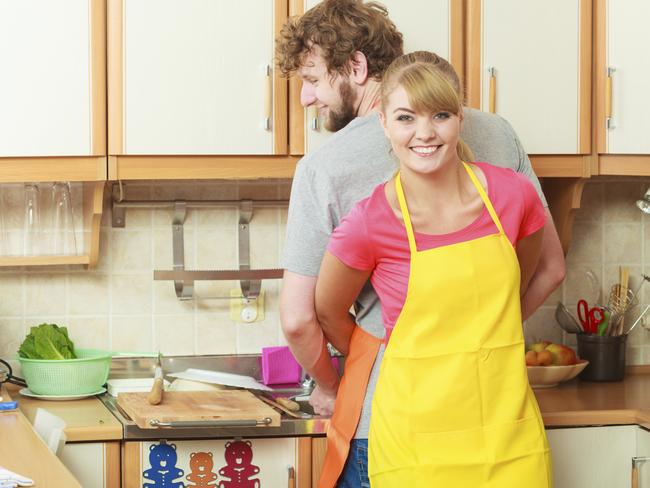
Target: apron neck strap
484 197
407 217
405 212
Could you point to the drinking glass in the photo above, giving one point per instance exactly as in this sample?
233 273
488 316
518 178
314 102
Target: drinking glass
32 231
63 235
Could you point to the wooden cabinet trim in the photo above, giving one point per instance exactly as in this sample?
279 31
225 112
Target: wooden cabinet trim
457 37
624 164
577 166
564 196
600 42
303 463
98 76
318 450
201 167
473 57
131 465
280 89
585 76
85 168
296 110
115 10
112 464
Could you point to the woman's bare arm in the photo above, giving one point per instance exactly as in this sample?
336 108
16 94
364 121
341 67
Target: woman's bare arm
528 251
337 288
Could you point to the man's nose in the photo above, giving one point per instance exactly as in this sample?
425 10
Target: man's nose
307 95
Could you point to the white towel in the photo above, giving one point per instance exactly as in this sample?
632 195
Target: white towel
9 479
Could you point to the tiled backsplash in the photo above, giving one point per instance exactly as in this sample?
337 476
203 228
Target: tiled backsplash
118 306
609 231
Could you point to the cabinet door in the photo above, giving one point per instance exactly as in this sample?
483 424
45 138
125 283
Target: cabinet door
196 78
530 63
52 88
440 33
94 464
271 462
594 457
626 52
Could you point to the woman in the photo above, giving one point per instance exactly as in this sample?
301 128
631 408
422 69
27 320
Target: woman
449 257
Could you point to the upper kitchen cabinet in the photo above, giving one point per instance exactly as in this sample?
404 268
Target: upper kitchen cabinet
530 62
441 32
53 90
622 95
193 91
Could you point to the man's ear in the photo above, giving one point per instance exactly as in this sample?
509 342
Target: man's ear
382 118
358 68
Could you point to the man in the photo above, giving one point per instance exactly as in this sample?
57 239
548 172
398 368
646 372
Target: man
340 49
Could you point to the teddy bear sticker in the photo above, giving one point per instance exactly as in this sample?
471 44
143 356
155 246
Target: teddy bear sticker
239 468
163 471
201 475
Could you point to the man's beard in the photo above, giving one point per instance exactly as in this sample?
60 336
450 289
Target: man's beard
344 113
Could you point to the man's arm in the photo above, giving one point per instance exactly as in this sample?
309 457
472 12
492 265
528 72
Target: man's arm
306 340
549 273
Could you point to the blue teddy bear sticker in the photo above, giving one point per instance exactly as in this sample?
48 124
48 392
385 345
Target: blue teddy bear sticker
163 471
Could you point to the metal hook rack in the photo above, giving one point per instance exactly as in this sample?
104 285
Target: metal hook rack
250 280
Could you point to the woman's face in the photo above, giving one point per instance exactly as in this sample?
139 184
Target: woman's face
423 142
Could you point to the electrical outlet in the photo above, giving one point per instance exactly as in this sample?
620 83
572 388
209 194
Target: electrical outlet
246 310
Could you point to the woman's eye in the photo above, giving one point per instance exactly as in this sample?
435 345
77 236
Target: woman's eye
442 115
404 118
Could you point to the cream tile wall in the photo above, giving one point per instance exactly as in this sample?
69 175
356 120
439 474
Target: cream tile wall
118 306
609 231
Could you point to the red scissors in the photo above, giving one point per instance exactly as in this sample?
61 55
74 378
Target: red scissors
590 318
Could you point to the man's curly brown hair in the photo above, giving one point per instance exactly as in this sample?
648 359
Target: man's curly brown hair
340 28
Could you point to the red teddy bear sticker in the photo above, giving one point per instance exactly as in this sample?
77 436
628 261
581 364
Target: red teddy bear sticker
239 467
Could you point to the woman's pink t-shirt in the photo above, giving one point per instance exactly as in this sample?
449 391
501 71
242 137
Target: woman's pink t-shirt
371 237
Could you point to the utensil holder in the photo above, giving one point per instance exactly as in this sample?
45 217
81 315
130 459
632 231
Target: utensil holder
606 356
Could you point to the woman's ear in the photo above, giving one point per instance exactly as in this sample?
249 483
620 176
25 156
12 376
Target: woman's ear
358 65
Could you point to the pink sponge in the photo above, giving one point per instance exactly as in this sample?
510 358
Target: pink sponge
279 366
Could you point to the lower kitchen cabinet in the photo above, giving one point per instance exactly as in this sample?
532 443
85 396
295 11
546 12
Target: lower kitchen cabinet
599 457
223 463
94 464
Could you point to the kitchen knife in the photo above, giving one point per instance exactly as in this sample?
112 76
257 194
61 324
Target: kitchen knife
156 393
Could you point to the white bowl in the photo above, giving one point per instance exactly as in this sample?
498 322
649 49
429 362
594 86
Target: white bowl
548 376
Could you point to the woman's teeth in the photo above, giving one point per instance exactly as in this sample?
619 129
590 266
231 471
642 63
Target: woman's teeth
425 150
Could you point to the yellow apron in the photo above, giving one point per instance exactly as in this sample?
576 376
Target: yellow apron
453 407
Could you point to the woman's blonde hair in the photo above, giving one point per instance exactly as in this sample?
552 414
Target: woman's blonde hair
431 85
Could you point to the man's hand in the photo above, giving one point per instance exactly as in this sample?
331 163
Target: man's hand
322 401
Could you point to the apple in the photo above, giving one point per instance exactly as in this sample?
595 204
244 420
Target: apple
562 355
531 359
545 358
539 346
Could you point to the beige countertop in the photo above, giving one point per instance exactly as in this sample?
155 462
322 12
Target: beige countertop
23 452
86 420
584 403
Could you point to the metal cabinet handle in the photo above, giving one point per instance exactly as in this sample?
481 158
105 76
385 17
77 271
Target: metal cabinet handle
313 117
268 97
635 469
493 89
291 483
210 423
608 98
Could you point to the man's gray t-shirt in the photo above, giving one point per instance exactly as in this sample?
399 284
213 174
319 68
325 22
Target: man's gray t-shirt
346 169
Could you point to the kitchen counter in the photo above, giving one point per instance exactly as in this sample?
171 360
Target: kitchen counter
86 420
580 403
22 451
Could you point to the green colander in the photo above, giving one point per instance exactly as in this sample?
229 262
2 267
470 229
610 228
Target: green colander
81 376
